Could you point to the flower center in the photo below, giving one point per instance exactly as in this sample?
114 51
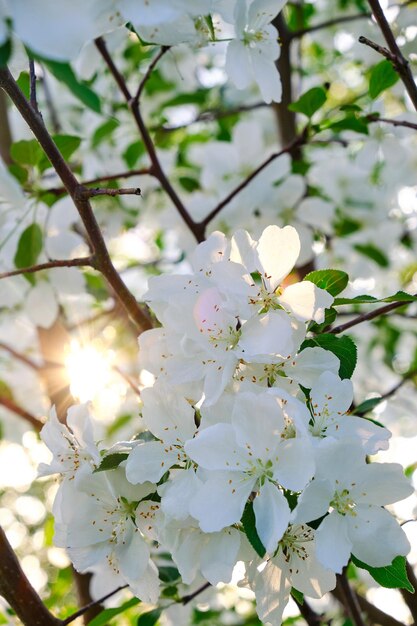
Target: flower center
343 503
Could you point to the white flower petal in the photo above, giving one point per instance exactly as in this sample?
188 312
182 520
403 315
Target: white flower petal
333 544
149 462
272 514
277 250
306 301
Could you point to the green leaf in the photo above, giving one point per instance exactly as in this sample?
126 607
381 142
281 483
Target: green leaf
382 77
105 616
309 102
103 131
333 281
5 52
351 122
367 405
343 347
132 153
410 469
399 296
24 83
168 573
65 74
29 248
209 21
248 522
111 461
297 595
329 317
66 144
392 576
150 618
373 253
26 152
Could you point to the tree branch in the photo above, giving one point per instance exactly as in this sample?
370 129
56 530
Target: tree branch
102 258
15 408
128 191
365 317
5 134
18 592
400 63
158 172
90 605
299 141
186 599
78 262
20 357
296 34
32 81
410 598
375 118
311 617
380 49
148 72
375 615
104 179
349 599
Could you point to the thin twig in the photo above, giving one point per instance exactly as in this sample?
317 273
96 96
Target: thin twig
53 113
378 48
186 599
196 229
32 95
128 380
299 141
88 606
365 317
350 600
375 118
148 72
77 262
18 410
128 191
102 260
410 598
311 617
400 63
212 115
375 615
296 34
18 356
104 179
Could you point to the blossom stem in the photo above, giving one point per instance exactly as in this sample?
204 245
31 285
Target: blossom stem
186 599
364 317
104 179
78 262
9 404
90 605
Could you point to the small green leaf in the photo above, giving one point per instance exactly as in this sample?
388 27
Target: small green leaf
410 469
24 83
309 102
399 296
382 77
5 52
29 248
150 618
103 131
297 595
373 253
5 390
209 21
26 152
367 405
249 526
111 461
392 576
329 317
351 122
105 616
65 74
343 347
168 573
66 144
333 281
132 153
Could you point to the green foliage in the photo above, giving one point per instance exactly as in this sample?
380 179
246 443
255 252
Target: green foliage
297 595
248 522
5 52
399 296
105 616
29 248
372 252
367 406
111 461
64 73
24 83
392 576
333 281
310 102
66 144
329 317
26 152
104 131
150 618
343 347
132 153
382 77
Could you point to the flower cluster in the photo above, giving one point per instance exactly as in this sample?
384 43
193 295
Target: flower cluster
248 451
65 29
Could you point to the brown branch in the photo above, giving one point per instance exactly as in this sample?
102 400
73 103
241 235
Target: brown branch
148 72
311 617
380 49
296 143
32 82
18 410
400 63
410 598
349 599
102 258
212 115
365 317
375 615
5 133
77 262
296 34
20 357
104 179
375 118
90 605
128 191
18 592
196 229
186 599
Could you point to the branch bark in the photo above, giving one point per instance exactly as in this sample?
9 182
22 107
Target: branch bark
365 317
102 258
9 404
18 592
79 262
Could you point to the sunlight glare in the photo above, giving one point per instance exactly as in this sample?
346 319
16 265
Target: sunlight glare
89 370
